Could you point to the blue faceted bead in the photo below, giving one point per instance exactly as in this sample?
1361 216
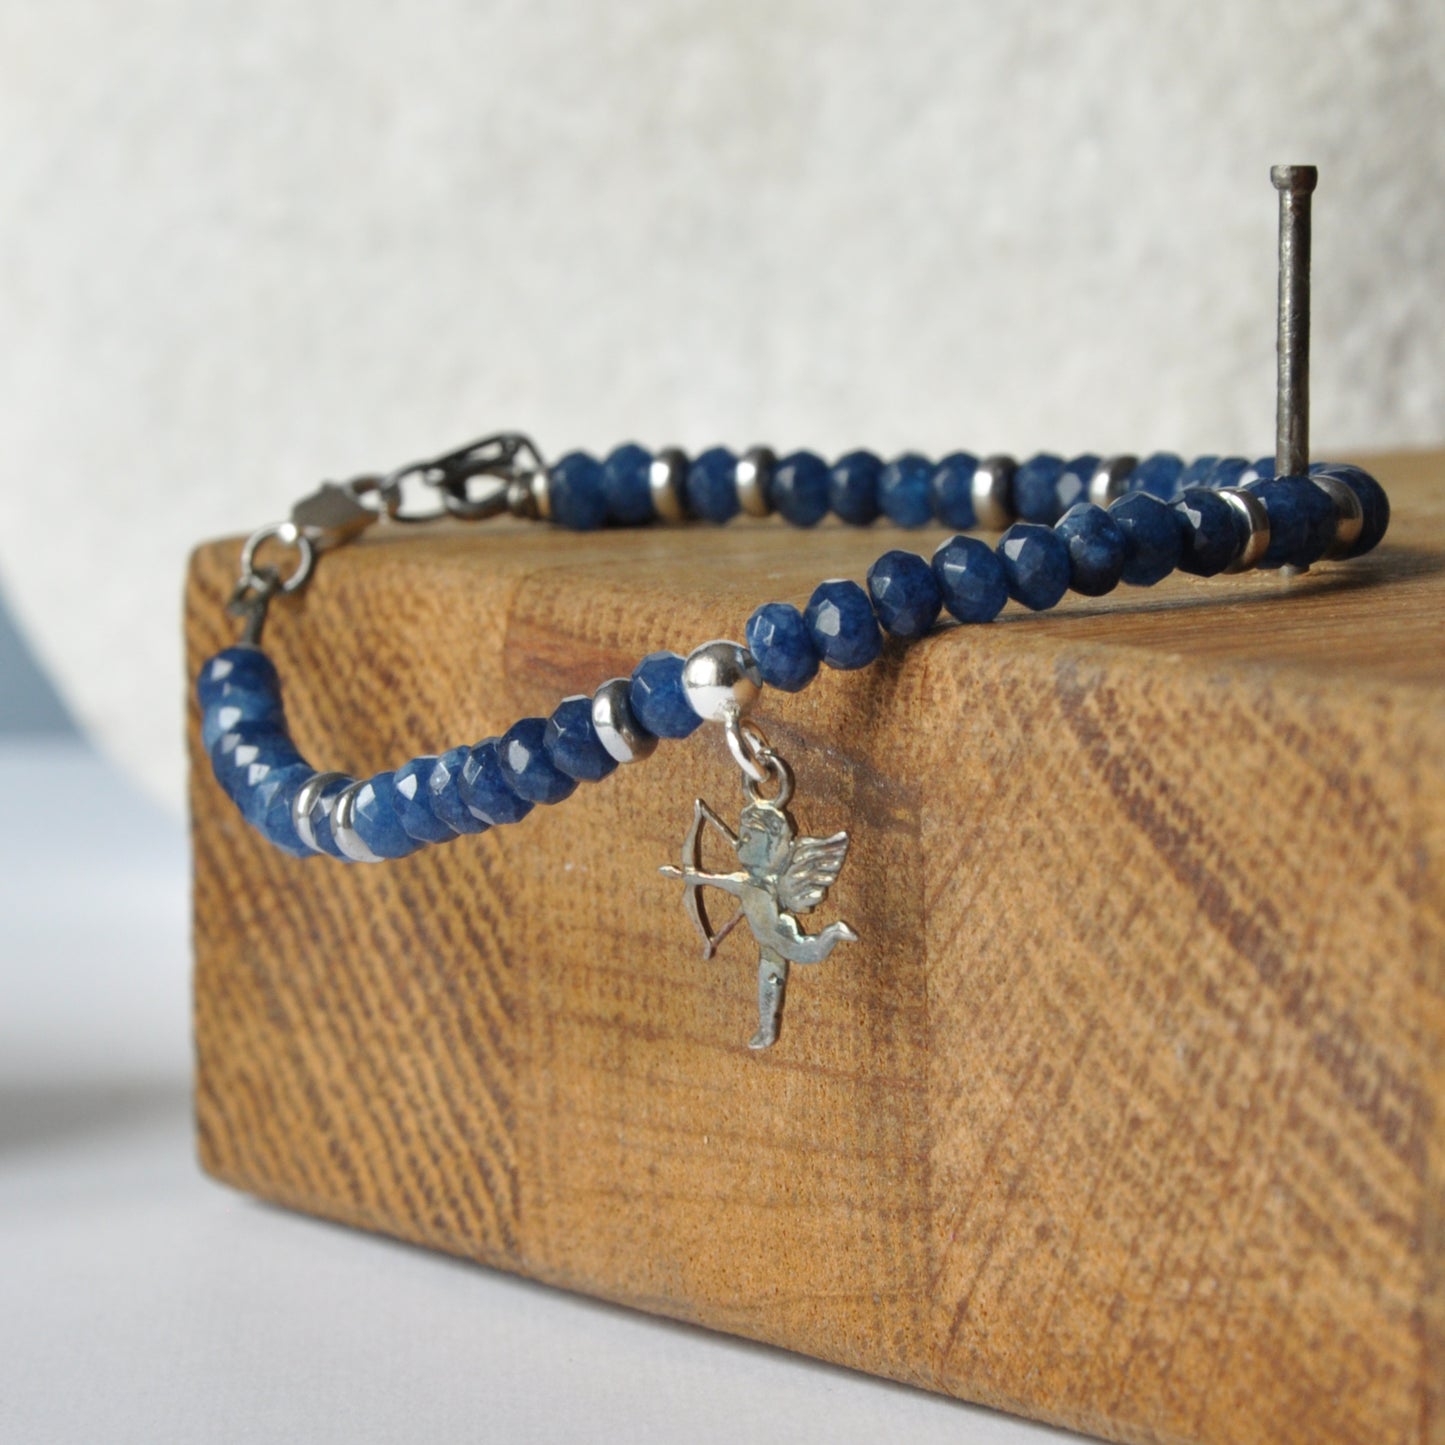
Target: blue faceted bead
374 818
1374 504
243 667
657 699
247 754
627 485
575 492
1258 471
237 705
952 489
1036 489
1212 532
1158 476
905 593
444 794
572 743
269 808
1302 520
323 808
853 487
799 489
1096 549
531 774
1073 484
712 485
1197 473
1153 541
1227 472
411 784
782 646
971 579
484 788
905 490
1035 565
840 620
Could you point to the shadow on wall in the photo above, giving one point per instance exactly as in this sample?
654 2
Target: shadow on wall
28 702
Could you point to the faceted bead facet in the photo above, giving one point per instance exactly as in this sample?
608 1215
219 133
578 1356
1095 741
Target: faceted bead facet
575 492
236 705
904 490
572 743
1152 537
844 630
1036 489
1158 476
1212 532
1073 484
905 593
411 785
531 774
1035 565
244 756
782 646
1096 549
657 698
971 579
853 487
952 488
1197 473
375 821
1226 472
627 485
1301 520
485 790
444 795
712 485
241 667
799 489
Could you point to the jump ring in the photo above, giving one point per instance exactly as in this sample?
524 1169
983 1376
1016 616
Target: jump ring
288 536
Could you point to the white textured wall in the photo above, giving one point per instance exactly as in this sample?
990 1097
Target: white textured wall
248 243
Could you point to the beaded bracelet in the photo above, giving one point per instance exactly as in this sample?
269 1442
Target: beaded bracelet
1084 525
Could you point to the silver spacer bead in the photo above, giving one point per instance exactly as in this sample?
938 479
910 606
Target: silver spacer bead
993 493
617 729
307 796
1349 514
530 496
1111 479
754 477
720 680
668 479
1256 544
341 827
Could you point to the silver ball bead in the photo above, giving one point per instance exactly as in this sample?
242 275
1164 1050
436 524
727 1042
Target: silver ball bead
720 679
992 490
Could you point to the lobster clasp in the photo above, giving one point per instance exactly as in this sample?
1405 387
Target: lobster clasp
335 513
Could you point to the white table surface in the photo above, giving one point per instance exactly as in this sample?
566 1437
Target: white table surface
140 1302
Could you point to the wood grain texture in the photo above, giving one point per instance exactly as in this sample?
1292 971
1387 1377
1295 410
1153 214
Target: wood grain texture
1123 1114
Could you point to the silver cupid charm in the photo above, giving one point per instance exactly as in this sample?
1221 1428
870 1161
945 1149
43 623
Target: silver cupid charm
782 874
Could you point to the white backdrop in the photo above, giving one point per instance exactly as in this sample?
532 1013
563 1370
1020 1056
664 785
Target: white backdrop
248 243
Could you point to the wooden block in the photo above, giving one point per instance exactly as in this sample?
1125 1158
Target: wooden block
1124 1112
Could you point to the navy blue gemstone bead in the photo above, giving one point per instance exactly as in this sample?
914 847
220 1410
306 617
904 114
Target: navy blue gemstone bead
1212 532
905 593
237 705
1036 489
575 492
411 784
444 794
323 806
840 620
240 668
712 485
484 788
572 743
952 489
627 485
531 774
799 489
1374 504
1261 470
1227 472
1197 473
1158 476
1096 549
1301 520
782 646
1035 565
971 579
269 808
1073 483
1153 540
374 818
244 756
657 699
853 487
905 490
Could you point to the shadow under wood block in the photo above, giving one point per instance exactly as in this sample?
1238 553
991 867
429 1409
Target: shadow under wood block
1121 1114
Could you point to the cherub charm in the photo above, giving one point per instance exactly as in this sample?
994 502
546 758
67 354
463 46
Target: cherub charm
782 874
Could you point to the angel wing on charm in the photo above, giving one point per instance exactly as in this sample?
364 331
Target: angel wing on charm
812 869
